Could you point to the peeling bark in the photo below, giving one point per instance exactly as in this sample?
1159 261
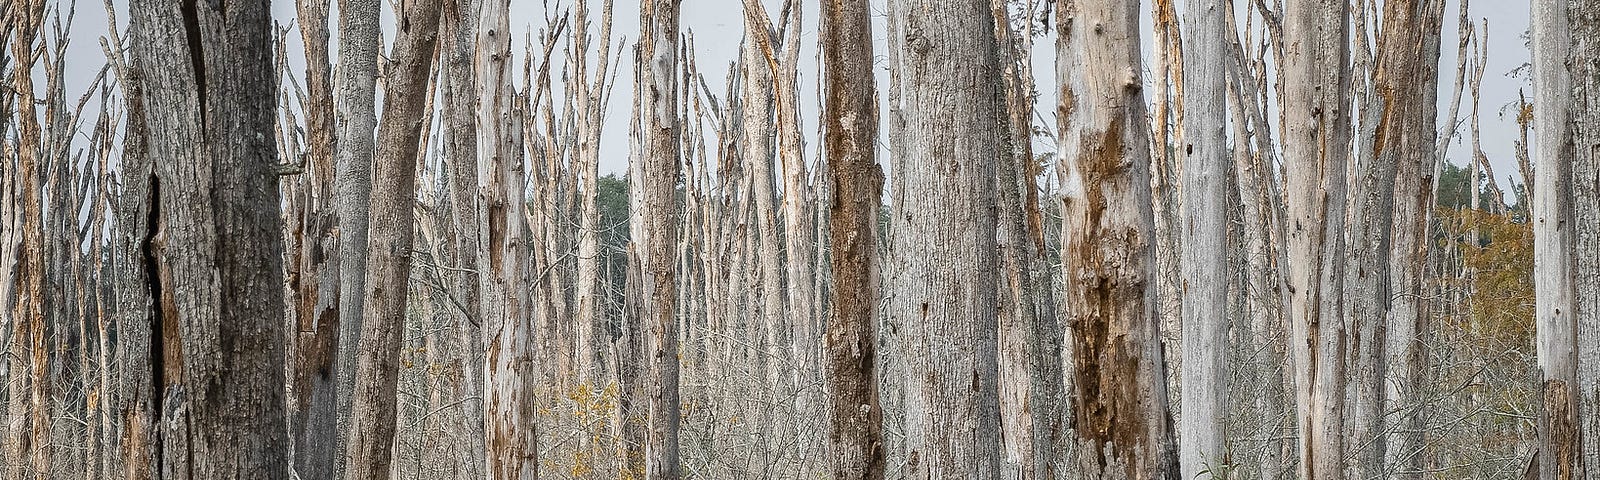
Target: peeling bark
1121 420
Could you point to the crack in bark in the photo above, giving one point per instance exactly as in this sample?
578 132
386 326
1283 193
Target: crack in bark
191 25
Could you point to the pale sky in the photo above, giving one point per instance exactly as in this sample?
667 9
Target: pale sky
718 25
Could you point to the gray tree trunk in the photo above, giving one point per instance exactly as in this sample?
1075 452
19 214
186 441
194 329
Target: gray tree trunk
1205 242
368 454
1030 337
134 388
1553 277
1408 77
215 244
1317 127
355 101
1370 217
459 147
591 99
1584 64
944 221
756 150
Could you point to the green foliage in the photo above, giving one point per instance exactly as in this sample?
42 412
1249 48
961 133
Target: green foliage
612 201
1455 188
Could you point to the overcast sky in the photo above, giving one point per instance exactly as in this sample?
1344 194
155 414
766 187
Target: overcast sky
718 26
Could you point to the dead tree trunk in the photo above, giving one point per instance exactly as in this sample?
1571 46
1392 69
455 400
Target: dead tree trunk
314 425
136 386
1316 122
1408 79
459 146
1205 242
1584 64
1030 337
357 71
372 428
658 49
1123 425
944 221
1555 317
214 244
28 441
591 98
850 126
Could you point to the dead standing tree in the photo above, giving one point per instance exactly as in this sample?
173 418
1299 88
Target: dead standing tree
1123 422
945 285
372 428
214 247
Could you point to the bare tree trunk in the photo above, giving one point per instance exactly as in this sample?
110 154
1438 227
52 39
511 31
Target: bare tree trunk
944 222
458 34
132 387
1122 421
315 408
1205 238
1584 64
756 150
1315 103
216 244
1370 217
850 124
1408 77
1030 337
372 428
1553 240
28 442
357 71
658 48
591 104
632 406
799 228
504 251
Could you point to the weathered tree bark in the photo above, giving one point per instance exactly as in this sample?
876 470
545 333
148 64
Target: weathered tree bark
1408 79
1204 253
850 129
132 402
356 105
658 49
1366 278
504 253
944 222
28 442
1584 65
591 99
1316 121
632 406
314 425
1555 318
1122 422
459 147
372 427
1030 337
214 245
756 150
